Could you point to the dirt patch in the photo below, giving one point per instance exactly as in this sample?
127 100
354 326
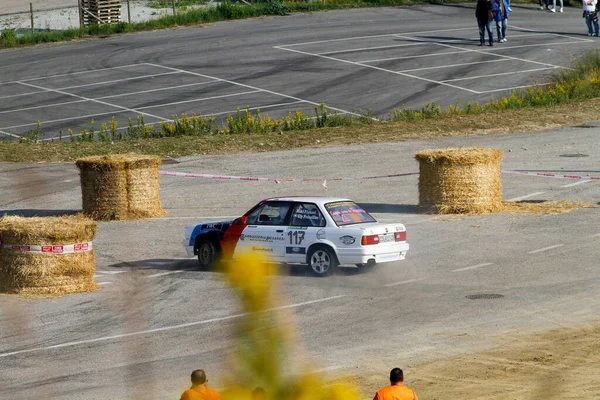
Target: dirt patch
559 364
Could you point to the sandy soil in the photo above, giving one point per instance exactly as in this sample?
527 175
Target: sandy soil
560 364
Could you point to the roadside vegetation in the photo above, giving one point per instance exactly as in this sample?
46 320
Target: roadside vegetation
568 97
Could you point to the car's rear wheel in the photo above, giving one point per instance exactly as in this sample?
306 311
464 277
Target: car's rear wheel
207 253
322 261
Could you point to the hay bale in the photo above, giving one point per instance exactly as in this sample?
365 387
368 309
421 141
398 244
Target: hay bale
35 256
120 187
460 181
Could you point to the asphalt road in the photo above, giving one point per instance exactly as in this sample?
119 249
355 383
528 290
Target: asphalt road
157 317
354 61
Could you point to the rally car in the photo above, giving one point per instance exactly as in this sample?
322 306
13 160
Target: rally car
321 232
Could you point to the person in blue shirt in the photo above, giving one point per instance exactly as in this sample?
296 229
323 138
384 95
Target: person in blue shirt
501 19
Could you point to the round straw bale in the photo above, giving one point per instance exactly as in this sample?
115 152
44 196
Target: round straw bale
460 180
120 187
35 272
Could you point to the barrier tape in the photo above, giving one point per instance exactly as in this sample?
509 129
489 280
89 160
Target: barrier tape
50 249
559 176
278 180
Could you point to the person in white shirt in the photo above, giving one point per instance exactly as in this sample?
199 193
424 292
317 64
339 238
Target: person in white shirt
591 17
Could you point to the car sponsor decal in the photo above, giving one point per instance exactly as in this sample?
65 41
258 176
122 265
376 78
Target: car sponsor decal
347 240
321 234
260 238
295 250
262 249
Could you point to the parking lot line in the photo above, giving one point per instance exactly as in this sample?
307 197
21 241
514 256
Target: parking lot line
65 119
409 57
254 87
199 99
370 48
72 73
582 39
153 90
162 329
178 271
132 78
96 101
380 69
454 65
499 74
23 94
545 249
10 134
44 106
472 267
513 88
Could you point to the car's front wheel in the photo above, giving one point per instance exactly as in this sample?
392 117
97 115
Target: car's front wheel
207 253
322 261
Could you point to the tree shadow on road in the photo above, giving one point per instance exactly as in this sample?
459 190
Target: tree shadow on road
385 208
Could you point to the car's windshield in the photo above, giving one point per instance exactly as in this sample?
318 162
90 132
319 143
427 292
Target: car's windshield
348 213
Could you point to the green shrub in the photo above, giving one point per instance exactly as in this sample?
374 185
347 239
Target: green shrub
8 38
274 7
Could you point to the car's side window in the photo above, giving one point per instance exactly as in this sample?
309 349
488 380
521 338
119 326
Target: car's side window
306 214
270 213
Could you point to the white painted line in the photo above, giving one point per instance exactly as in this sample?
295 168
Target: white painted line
116 81
153 90
200 99
253 87
444 53
596 235
454 65
498 55
513 88
550 33
391 46
66 119
383 69
526 196
524 71
44 106
171 272
96 101
110 272
23 94
68 180
497 48
546 249
581 182
10 134
73 73
472 267
370 36
403 282
105 283
162 329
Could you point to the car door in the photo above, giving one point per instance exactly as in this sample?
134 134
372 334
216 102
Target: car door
265 230
306 225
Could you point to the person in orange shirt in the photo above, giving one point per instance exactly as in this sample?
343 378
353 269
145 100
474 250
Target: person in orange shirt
200 389
396 390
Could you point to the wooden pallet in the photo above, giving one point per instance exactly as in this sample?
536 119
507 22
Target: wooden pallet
100 11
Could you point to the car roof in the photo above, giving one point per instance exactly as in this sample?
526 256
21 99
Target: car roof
307 199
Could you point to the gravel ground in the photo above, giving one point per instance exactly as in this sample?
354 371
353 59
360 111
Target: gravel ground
59 14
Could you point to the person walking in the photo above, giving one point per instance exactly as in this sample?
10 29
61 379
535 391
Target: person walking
553 9
591 17
396 390
200 389
544 5
484 12
502 19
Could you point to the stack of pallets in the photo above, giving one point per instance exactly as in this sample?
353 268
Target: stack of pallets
100 11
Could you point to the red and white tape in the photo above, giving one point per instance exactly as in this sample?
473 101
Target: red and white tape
50 249
278 180
549 175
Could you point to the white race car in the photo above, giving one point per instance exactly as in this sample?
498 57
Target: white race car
322 232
